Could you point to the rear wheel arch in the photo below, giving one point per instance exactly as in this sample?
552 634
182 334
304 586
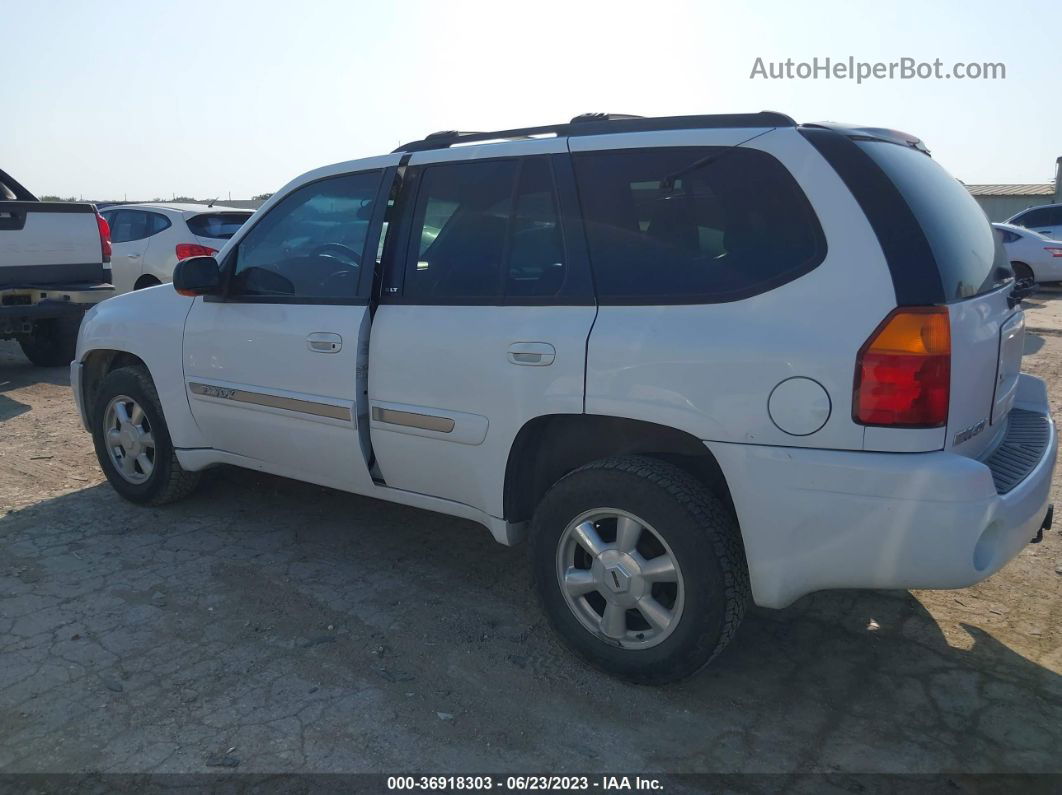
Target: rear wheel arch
549 447
146 280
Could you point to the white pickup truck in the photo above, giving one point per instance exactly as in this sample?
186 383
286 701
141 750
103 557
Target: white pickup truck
54 264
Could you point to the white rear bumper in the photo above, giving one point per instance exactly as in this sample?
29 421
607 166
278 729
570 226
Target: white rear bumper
819 519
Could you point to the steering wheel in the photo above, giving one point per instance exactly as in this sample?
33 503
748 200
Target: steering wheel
338 251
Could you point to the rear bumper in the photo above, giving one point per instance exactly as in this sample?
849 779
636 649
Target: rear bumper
820 519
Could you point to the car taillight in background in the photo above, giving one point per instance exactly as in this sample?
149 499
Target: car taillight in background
1054 251
903 372
186 250
105 237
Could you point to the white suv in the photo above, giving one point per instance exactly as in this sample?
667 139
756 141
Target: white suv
700 361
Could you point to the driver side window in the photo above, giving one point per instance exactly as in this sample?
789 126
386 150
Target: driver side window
310 245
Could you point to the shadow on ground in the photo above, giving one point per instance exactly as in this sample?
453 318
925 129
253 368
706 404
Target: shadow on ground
277 626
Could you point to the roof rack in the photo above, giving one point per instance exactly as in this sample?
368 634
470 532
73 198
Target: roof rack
602 124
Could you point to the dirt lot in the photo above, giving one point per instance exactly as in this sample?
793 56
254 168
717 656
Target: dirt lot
266 625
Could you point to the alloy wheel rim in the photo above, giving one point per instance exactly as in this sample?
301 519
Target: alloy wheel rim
620 578
129 438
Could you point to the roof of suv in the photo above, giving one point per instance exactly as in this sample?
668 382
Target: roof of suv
606 123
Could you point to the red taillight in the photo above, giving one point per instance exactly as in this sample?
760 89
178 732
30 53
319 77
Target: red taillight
105 237
186 250
1054 251
903 372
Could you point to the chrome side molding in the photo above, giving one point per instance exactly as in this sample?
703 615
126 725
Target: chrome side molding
409 419
271 401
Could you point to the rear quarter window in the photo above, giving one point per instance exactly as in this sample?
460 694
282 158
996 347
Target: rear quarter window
969 256
220 226
694 225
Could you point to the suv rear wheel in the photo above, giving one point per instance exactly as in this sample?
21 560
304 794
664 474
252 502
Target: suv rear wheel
132 442
640 568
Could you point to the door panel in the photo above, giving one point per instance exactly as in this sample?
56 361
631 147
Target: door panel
257 389
274 368
454 362
483 326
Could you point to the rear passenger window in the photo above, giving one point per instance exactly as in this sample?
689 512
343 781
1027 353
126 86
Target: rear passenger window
484 231
129 225
460 223
694 224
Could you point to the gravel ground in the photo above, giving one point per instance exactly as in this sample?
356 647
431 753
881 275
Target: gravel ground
268 625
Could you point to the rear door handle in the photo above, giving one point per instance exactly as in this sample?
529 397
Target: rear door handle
324 342
533 354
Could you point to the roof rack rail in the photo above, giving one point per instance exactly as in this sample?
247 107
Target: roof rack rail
583 118
602 124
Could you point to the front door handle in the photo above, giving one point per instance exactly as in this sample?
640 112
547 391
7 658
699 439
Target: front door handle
324 342
533 354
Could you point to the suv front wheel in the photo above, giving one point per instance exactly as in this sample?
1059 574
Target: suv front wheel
640 568
133 443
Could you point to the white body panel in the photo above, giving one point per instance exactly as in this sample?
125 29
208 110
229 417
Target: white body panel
452 362
50 238
818 519
263 351
150 325
710 369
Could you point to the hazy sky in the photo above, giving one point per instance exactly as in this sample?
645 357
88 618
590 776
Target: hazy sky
206 97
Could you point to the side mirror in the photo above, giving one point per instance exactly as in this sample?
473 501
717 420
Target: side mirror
197 276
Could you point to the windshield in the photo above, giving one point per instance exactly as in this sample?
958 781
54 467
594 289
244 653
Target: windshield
969 255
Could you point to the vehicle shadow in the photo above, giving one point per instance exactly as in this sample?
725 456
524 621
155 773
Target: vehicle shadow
415 636
16 372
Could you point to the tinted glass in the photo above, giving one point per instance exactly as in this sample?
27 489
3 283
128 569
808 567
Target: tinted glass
220 226
157 222
969 257
460 225
1032 218
310 244
535 265
130 225
711 224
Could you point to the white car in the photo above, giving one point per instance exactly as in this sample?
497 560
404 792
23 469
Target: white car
1046 219
148 240
1031 255
700 362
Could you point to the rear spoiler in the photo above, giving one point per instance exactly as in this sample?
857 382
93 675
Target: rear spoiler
872 134
18 193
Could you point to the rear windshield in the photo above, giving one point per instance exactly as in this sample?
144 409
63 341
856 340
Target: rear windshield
217 225
969 255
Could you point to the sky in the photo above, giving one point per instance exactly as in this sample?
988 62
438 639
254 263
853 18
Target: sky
204 98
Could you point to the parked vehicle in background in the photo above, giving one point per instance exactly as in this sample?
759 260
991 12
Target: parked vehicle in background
1046 220
702 361
149 239
54 264
1031 255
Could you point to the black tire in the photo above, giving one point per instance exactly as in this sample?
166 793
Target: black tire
1022 271
54 342
167 481
704 539
146 281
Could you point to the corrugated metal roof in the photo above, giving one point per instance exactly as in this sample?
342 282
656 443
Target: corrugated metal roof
1035 189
